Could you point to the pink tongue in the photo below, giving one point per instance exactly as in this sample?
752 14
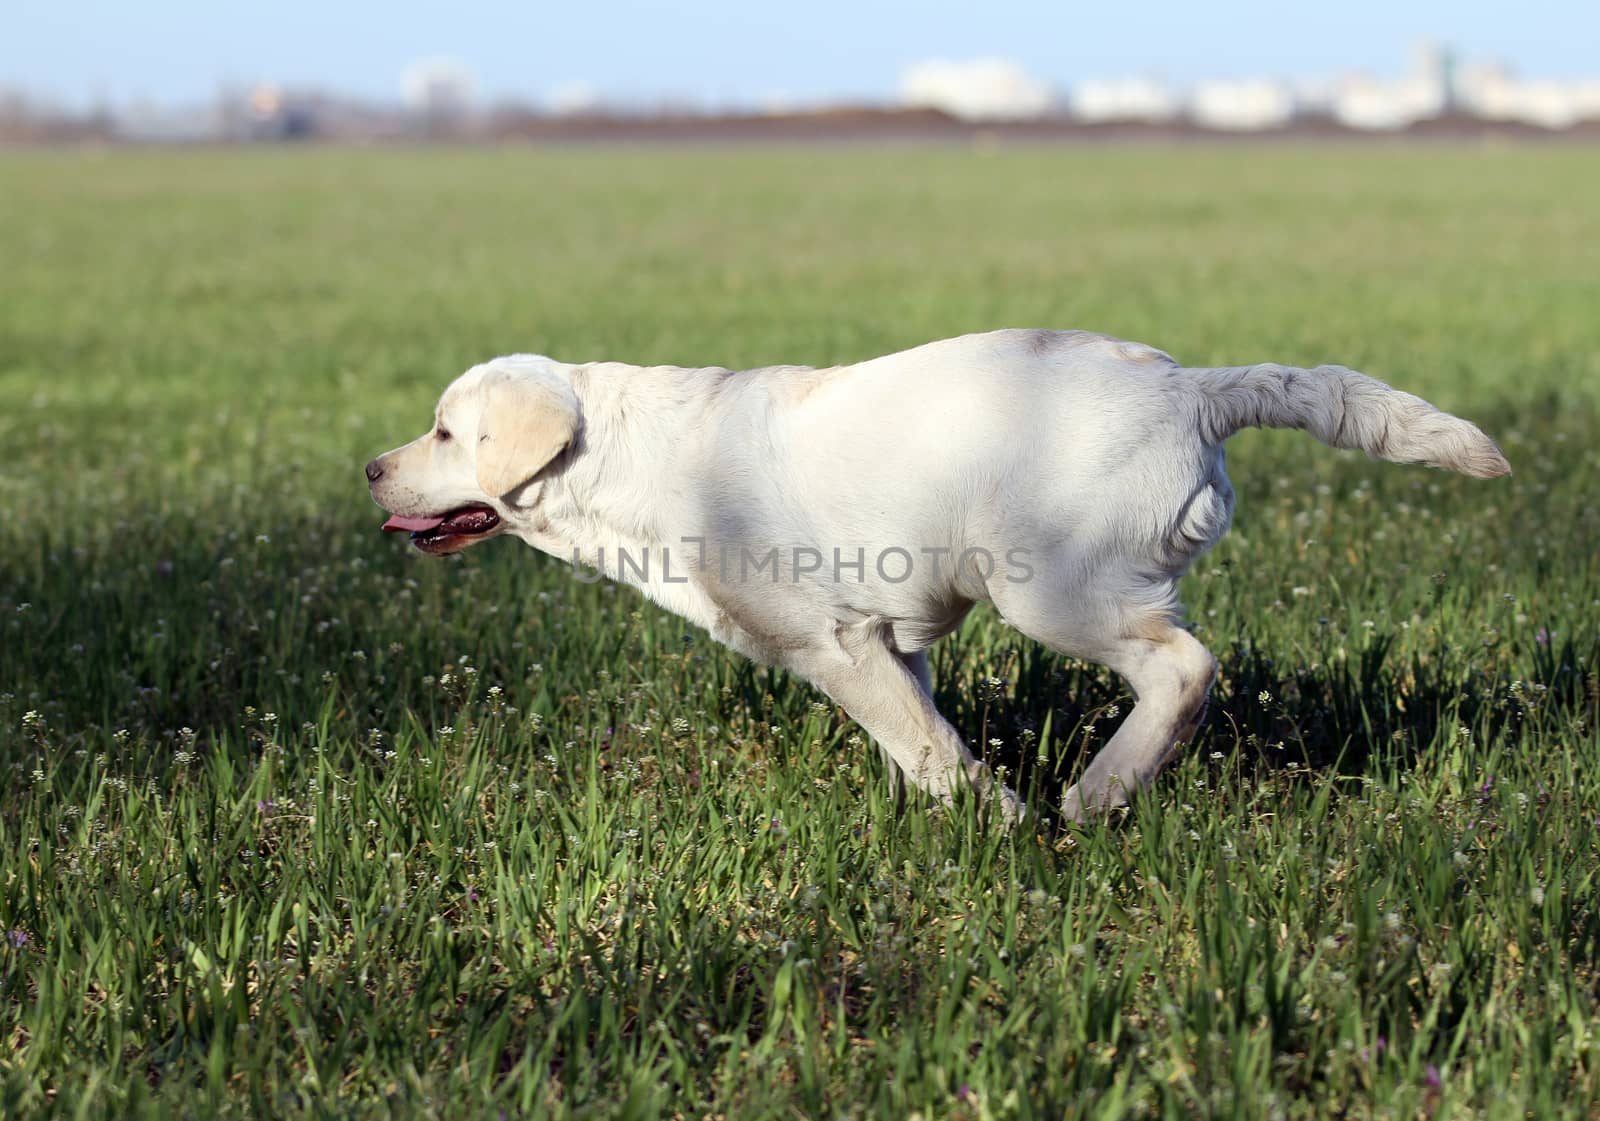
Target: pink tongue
411 525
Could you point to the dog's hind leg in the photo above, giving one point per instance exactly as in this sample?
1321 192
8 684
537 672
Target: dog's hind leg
1167 668
889 694
1170 673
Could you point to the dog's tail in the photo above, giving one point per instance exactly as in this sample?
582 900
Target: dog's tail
1343 409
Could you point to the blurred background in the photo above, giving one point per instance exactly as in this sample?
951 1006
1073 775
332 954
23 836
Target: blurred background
296 818
183 70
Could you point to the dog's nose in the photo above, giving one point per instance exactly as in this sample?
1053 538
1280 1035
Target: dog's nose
374 470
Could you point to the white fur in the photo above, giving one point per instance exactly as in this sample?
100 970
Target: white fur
1089 469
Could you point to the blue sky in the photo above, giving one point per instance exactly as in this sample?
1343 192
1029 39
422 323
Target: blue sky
725 51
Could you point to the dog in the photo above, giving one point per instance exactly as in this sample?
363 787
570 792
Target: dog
837 522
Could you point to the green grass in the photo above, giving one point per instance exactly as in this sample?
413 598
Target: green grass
299 823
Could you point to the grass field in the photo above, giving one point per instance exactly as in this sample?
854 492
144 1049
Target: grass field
297 822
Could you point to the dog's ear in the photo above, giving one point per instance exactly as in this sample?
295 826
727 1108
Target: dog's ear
526 422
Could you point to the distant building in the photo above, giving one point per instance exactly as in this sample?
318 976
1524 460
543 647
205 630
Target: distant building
1489 91
1371 103
275 115
1124 99
1239 106
575 99
1438 85
983 89
439 91
1433 68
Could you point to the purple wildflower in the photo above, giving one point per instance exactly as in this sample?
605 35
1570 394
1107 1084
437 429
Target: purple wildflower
17 938
1542 637
1431 1079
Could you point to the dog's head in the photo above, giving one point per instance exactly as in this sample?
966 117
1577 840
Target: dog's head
497 428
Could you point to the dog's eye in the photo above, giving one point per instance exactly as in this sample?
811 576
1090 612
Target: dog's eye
441 434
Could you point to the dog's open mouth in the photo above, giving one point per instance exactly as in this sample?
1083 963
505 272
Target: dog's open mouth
445 533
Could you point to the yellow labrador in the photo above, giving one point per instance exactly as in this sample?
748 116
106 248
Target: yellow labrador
837 522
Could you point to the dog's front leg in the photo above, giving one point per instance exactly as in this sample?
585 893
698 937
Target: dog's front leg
917 664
